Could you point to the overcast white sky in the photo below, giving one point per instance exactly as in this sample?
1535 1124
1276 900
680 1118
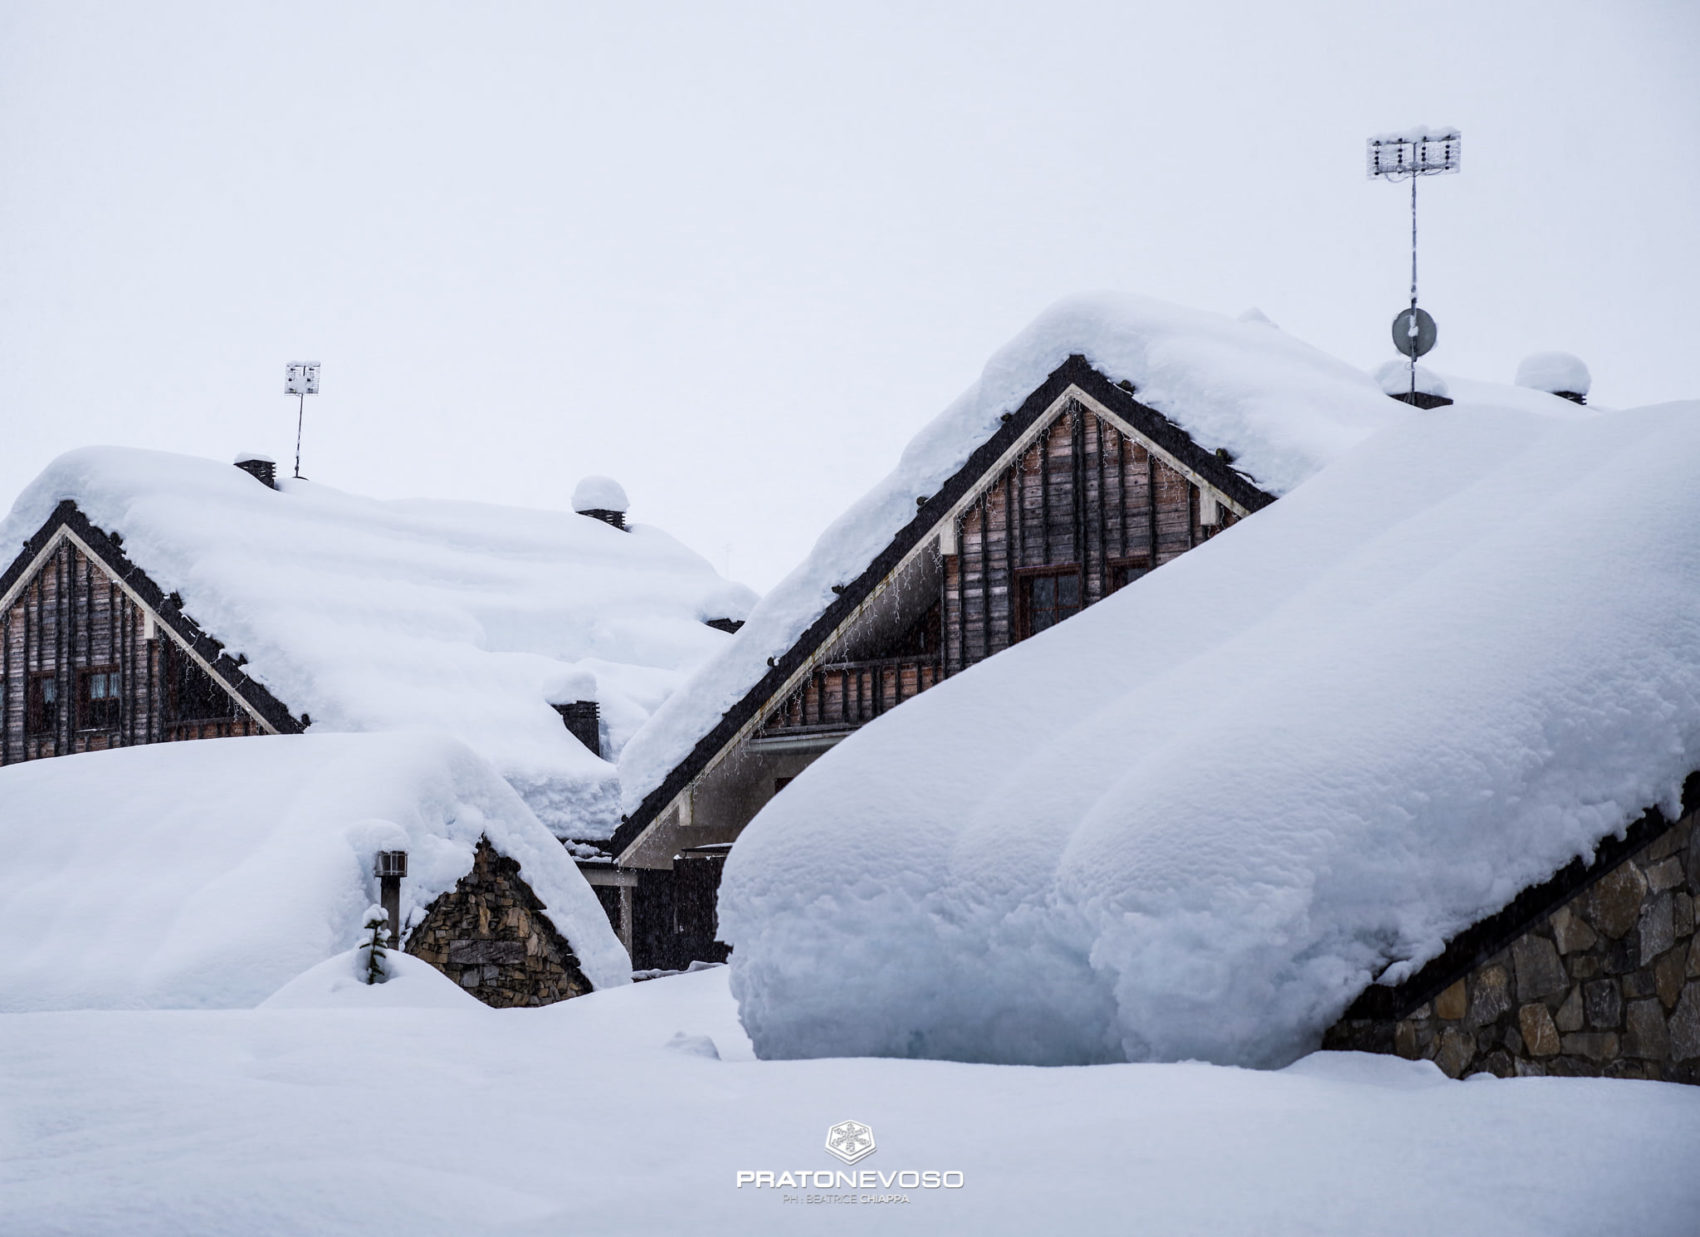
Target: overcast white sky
735 255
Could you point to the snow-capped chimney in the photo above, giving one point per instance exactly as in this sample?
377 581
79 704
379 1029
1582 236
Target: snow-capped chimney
1395 378
601 498
260 467
583 719
1556 373
389 866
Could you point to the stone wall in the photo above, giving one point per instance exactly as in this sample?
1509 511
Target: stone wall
490 936
1608 983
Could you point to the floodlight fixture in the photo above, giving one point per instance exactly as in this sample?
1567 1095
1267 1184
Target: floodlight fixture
300 379
1421 152
1410 156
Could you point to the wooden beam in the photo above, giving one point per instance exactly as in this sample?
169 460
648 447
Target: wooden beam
985 577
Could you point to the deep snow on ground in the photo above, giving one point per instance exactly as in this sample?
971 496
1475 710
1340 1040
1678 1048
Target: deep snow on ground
206 874
392 615
1196 820
611 1114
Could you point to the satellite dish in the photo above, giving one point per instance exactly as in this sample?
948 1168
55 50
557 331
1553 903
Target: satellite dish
1418 342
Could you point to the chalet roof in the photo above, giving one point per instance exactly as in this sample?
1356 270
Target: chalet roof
382 615
1306 757
1278 408
209 874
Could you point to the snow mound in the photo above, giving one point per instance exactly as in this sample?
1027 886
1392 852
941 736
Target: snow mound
208 874
1279 406
372 615
1554 372
1394 377
1234 794
600 494
338 983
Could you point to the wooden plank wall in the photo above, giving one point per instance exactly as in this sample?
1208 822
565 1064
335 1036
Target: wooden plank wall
1084 495
72 616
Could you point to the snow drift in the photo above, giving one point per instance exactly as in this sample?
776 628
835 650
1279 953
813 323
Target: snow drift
339 983
1297 759
1281 407
209 874
373 615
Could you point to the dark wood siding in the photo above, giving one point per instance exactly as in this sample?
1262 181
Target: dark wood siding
71 618
1083 496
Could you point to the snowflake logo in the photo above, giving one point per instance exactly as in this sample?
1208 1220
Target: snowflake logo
850 1141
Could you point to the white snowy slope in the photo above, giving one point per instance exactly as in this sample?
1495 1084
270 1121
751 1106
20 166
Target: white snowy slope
211 873
384 615
1280 406
1197 819
610 1114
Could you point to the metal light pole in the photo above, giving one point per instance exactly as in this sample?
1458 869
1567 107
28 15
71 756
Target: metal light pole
1408 156
301 379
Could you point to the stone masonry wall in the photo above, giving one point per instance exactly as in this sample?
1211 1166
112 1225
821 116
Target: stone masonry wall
1607 984
490 936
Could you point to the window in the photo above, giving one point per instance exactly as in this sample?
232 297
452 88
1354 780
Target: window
191 695
1047 598
1125 573
41 704
98 699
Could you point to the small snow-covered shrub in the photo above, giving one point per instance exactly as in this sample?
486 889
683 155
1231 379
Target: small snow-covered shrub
376 923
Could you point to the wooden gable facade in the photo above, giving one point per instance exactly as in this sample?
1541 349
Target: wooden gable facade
94 655
1078 493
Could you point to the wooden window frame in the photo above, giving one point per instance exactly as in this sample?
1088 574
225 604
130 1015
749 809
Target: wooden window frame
1137 562
86 702
41 715
1024 578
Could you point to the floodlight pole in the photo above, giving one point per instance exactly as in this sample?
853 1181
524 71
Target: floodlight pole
1413 328
300 379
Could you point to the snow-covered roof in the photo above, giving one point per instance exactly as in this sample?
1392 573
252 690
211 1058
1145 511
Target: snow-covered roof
1302 756
1279 406
385 615
211 873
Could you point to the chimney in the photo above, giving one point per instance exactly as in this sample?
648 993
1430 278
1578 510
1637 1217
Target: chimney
601 498
389 866
584 720
1556 373
260 467
1396 379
